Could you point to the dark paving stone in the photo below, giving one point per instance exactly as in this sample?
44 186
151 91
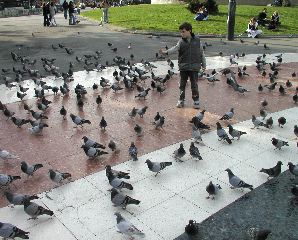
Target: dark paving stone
270 206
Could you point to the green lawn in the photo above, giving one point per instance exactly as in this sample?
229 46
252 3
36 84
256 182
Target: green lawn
169 17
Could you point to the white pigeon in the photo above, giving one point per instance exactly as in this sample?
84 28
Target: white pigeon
126 227
6 155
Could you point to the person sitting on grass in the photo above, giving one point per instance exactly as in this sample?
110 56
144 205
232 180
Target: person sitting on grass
262 18
275 18
202 14
252 29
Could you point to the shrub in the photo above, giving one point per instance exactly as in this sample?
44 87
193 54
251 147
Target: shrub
194 5
211 6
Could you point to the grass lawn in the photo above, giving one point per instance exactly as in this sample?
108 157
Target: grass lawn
168 17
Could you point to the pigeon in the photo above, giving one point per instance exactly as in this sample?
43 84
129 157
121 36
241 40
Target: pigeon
260 88
112 145
8 230
142 111
79 121
281 121
295 98
293 168
133 112
198 124
103 123
212 190
294 191
264 103
258 234
257 123
117 183
5 180
4 154
235 133
121 200
266 47
200 115
118 174
57 176
63 112
98 100
38 129
282 90
157 166
92 152
30 169
7 113
196 134
179 153
288 84
19 121
236 182
90 143
269 123
38 115
34 210
133 151
221 133
270 87
115 87
212 78
295 132
263 113
274 171
191 229
228 115
277 143
127 228
194 151
18 199
143 94
159 123
138 130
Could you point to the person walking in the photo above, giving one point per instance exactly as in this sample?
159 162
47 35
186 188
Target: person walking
191 59
45 13
105 11
52 14
71 10
65 8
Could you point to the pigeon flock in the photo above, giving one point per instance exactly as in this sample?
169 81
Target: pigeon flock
142 81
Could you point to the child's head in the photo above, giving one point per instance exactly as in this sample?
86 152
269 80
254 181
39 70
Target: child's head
185 30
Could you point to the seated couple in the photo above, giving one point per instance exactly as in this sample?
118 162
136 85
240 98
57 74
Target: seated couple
202 14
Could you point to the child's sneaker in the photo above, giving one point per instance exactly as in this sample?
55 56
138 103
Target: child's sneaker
180 104
196 104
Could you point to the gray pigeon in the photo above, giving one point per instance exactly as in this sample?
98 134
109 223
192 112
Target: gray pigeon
118 174
5 180
274 171
257 123
293 168
30 169
34 210
91 143
194 151
127 228
277 143
121 200
236 182
112 145
138 130
258 234
200 115
142 111
8 230
212 189
133 151
196 134
228 115
160 122
103 123
18 199
179 153
38 129
92 152
78 120
235 133
221 133
157 166
4 154
57 176
117 183
133 112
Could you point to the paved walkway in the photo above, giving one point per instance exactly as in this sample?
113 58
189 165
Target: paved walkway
83 209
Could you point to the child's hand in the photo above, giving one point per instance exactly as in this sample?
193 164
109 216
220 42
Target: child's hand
162 51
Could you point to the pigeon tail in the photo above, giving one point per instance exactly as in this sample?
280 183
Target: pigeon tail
127 185
13 178
85 121
47 212
21 234
229 141
133 201
66 175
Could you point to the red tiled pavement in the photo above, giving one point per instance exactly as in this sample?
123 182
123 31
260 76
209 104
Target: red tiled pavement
59 147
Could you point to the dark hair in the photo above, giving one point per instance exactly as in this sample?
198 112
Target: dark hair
187 26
